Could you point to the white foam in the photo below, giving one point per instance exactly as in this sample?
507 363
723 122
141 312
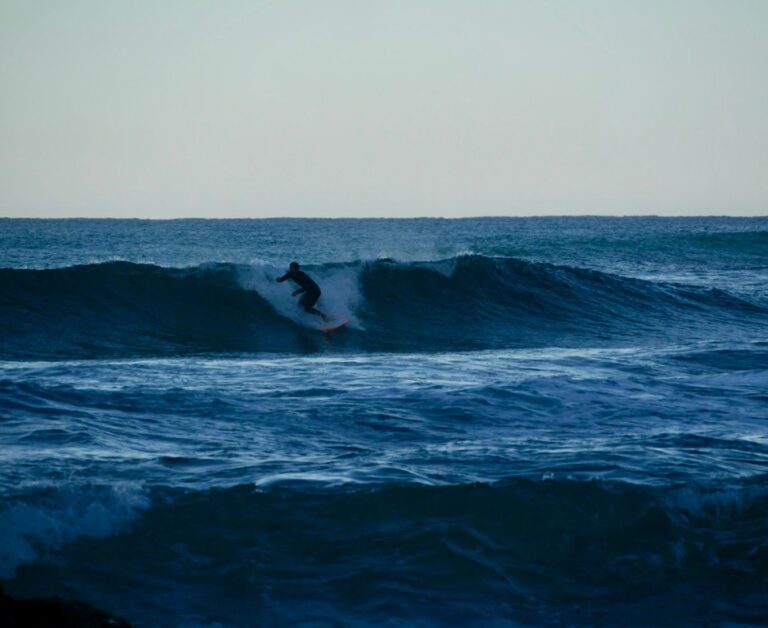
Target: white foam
340 287
46 521
720 503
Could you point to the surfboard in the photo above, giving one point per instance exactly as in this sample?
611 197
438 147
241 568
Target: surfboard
334 324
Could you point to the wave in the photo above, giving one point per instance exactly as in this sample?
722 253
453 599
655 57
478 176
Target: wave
470 302
537 551
47 518
751 243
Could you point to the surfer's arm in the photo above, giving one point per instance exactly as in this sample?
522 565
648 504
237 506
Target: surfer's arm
299 291
283 278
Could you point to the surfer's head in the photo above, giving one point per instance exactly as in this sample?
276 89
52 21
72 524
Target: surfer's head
293 266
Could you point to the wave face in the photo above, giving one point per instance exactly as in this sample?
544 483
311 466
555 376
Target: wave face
470 302
535 552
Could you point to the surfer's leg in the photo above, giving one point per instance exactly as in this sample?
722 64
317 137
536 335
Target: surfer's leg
308 303
317 312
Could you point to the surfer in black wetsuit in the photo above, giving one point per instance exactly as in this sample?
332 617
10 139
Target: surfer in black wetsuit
306 285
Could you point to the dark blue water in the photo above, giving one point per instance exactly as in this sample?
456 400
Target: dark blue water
526 422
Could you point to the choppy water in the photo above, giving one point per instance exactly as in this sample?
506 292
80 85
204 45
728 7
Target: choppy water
527 421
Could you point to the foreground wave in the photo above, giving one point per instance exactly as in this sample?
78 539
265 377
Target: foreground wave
532 551
473 302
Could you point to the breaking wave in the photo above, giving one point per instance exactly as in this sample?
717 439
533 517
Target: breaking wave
536 551
470 302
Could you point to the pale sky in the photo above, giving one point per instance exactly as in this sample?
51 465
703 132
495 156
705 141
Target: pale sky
248 108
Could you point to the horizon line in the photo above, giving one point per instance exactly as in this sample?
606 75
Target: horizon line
423 217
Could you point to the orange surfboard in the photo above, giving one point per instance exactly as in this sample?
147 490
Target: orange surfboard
339 322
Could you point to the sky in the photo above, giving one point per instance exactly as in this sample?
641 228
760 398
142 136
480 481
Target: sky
255 108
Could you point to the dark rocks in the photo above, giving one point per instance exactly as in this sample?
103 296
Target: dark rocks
53 612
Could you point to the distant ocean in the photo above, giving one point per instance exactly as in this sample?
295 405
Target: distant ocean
527 421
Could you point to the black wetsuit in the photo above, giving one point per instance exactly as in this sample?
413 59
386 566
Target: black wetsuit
308 286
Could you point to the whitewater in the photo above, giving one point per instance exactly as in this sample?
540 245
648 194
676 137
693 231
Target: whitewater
528 421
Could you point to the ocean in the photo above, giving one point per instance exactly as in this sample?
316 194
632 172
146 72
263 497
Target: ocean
527 421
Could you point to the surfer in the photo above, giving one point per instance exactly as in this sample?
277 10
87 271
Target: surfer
306 285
